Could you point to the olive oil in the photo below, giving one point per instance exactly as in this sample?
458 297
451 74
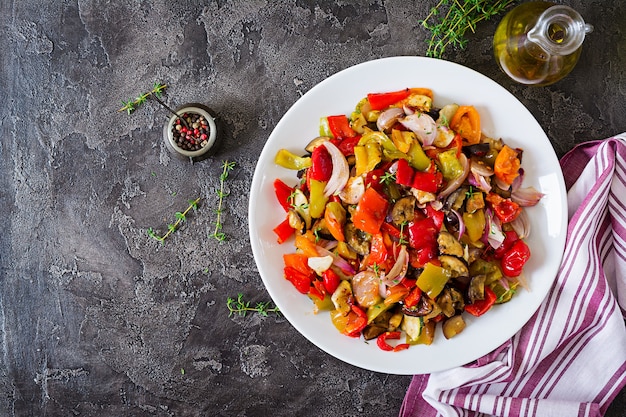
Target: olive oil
538 43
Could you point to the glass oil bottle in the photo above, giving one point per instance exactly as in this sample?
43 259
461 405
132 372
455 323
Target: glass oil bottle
539 43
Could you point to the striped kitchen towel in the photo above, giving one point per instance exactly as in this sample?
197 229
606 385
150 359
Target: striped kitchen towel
570 358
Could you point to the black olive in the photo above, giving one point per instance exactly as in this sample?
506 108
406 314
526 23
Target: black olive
480 149
434 113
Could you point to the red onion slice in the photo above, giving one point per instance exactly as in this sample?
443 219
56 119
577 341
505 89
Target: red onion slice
353 191
461 223
480 182
422 125
521 225
338 261
480 169
341 171
398 271
493 231
526 197
388 118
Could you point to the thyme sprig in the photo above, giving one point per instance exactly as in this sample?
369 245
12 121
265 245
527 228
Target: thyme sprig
449 29
156 93
227 166
171 228
132 104
241 307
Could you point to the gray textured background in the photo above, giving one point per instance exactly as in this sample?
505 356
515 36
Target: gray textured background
96 319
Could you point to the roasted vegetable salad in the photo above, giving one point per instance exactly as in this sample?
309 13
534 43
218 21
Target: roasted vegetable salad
404 215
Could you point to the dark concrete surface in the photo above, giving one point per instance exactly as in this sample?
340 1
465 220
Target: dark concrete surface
96 318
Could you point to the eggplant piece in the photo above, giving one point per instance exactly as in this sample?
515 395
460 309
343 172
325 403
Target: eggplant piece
446 114
455 266
424 307
358 240
373 331
295 221
310 147
449 245
404 210
450 301
476 290
378 326
455 200
474 202
453 326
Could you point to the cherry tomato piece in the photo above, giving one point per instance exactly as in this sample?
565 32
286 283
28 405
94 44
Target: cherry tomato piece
515 258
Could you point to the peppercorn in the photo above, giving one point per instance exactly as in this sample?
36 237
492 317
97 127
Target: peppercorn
191 137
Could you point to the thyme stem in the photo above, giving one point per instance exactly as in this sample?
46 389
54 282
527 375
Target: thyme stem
227 166
171 228
241 307
460 16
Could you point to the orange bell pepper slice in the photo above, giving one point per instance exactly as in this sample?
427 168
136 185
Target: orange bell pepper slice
298 261
306 245
335 218
423 91
507 164
371 211
466 122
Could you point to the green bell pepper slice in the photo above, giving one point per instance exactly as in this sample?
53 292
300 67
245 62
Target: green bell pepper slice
432 280
288 160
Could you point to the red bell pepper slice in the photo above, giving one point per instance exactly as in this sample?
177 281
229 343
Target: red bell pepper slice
357 320
413 298
346 145
378 251
283 193
299 280
515 258
370 212
381 341
283 231
427 181
394 232
404 173
423 241
318 290
437 215
373 180
380 101
321 164
418 258
480 307
340 127
422 232
331 280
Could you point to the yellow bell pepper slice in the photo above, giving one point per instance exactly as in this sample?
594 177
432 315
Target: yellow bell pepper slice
317 199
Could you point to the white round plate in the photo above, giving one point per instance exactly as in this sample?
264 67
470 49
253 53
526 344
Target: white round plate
502 115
